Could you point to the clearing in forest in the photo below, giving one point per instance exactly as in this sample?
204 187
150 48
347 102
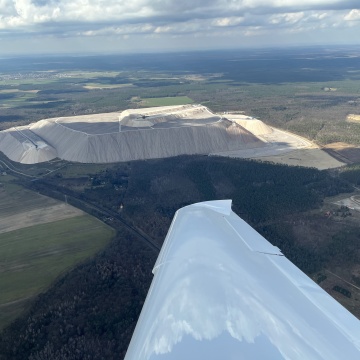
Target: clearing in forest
353 118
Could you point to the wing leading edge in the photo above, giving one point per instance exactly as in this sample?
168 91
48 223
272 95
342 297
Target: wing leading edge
221 291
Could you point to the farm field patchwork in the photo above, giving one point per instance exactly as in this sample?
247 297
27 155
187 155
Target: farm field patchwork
40 239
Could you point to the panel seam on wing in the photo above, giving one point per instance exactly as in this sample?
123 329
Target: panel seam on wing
249 246
268 253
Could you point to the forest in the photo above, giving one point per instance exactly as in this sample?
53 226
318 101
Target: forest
90 313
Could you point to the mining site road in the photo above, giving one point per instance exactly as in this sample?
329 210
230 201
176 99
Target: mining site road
99 212
15 171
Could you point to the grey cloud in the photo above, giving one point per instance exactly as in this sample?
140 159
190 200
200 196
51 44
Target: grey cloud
7 8
94 10
91 18
40 2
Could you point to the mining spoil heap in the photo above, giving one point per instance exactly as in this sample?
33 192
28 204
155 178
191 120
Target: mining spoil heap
24 146
255 126
129 135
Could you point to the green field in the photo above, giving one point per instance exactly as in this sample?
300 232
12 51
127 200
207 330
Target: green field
166 101
32 258
19 98
15 199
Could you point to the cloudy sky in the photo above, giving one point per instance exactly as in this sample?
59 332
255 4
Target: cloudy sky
81 26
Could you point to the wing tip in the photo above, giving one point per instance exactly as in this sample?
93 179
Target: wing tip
220 206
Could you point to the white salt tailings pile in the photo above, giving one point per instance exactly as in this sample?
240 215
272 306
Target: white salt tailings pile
129 135
255 126
21 145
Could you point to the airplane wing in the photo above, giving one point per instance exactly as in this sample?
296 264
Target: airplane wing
222 292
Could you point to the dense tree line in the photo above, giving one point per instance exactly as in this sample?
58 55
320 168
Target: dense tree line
351 174
261 191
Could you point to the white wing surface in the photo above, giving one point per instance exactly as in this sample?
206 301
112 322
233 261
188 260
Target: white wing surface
222 292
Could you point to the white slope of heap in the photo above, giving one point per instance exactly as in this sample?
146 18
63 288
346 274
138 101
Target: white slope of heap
77 146
133 134
19 147
222 291
255 126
